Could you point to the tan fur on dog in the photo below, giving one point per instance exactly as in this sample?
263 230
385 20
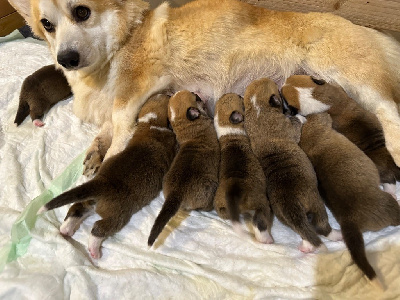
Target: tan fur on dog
349 185
242 183
291 181
128 53
309 95
126 182
192 180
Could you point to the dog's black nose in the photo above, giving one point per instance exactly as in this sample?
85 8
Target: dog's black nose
68 59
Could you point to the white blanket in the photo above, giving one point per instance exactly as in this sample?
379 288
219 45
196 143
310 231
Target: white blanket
199 256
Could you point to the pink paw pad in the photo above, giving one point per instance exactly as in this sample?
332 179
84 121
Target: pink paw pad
38 123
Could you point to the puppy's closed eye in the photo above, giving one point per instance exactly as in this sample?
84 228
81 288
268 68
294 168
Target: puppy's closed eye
318 81
275 101
236 117
192 113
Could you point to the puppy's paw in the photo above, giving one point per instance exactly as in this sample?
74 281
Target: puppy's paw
263 236
94 246
92 163
301 118
38 123
69 226
335 235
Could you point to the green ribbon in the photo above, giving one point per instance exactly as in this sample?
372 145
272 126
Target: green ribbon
20 231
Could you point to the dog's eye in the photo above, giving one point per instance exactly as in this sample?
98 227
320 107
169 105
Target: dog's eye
47 25
81 13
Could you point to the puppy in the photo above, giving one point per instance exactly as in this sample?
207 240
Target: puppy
39 92
208 47
291 181
242 183
192 181
126 182
348 182
307 95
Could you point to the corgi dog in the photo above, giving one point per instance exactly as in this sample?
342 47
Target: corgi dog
192 180
126 182
291 181
306 95
349 184
117 53
242 183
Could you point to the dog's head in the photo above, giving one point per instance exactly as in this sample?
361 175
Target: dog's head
155 111
229 115
299 93
84 34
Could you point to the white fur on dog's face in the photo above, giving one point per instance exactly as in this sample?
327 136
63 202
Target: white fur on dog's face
94 39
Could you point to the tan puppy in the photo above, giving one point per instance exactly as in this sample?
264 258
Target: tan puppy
193 178
349 184
126 182
242 184
115 54
308 95
291 181
39 92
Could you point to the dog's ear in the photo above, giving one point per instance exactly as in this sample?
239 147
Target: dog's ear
236 117
275 101
192 113
23 7
318 81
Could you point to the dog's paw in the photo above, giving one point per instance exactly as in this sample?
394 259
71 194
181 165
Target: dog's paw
301 118
69 226
335 235
92 163
94 246
263 236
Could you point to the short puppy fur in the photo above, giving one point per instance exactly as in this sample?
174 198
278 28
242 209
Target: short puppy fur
307 95
127 181
242 183
192 181
291 181
39 92
349 184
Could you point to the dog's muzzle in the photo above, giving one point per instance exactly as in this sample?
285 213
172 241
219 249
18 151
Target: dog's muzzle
68 59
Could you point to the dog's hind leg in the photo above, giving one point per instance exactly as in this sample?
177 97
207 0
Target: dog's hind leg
97 150
75 216
262 222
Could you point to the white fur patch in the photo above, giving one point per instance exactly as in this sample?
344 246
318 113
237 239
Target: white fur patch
308 104
253 101
335 235
226 130
172 114
69 226
160 128
301 118
263 236
147 117
94 246
391 189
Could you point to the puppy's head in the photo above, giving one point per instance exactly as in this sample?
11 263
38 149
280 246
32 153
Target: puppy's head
263 95
81 34
155 111
298 92
229 115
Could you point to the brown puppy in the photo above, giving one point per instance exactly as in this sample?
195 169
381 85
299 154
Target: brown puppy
192 181
307 95
39 92
291 181
126 182
242 183
349 184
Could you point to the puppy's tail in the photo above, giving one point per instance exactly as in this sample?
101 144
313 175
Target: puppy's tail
87 191
355 243
22 112
168 210
234 195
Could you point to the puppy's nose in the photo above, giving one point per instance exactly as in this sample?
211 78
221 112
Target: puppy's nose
68 59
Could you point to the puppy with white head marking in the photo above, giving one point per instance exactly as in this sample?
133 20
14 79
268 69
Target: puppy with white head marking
242 183
307 95
348 182
126 182
291 181
39 92
192 180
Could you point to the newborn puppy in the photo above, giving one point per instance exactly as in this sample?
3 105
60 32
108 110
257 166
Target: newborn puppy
291 181
242 184
193 178
307 95
349 183
126 182
39 92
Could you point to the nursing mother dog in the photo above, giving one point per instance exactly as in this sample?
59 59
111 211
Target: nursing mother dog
116 53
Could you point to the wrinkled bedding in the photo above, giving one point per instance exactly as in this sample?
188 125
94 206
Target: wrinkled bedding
199 255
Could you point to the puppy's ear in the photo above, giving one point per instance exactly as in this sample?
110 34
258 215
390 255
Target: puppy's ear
318 81
23 7
236 117
192 113
275 101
